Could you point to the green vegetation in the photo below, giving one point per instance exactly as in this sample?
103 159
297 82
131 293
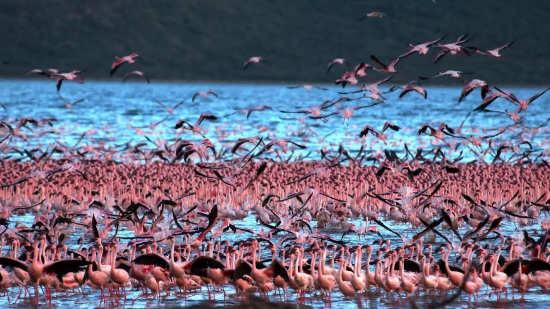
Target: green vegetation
211 39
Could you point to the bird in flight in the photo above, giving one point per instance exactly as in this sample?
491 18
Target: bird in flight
307 87
139 73
341 61
204 94
120 61
253 60
372 15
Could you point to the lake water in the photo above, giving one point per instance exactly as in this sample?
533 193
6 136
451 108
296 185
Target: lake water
110 107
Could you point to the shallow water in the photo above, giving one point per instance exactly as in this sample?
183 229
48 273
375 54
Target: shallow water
108 107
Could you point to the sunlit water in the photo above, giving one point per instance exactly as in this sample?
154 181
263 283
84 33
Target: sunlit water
112 111
109 108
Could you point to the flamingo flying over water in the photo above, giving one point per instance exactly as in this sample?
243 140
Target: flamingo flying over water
120 61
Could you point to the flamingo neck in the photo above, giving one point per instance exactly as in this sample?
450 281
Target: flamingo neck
296 265
254 259
358 263
367 268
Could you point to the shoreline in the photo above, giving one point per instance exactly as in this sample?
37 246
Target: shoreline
252 83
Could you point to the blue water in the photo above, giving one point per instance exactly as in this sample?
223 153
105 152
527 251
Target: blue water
111 108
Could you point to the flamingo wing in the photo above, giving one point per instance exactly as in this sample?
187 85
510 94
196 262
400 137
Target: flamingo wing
116 65
383 66
536 96
505 46
152 259
63 267
59 82
13 263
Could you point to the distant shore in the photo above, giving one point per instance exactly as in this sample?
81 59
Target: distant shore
265 83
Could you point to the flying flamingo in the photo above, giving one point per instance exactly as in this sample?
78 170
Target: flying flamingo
420 48
347 78
473 85
373 15
437 133
386 68
340 61
120 61
253 60
455 74
523 104
387 125
48 73
138 73
493 52
492 97
361 68
307 87
346 113
314 111
195 128
70 104
204 94
408 88
212 219
67 76
257 109
170 110
453 48
373 88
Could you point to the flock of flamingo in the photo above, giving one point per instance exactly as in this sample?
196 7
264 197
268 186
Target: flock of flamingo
160 219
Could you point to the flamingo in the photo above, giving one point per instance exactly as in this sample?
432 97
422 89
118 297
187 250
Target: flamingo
470 286
420 48
253 60
118 276
44 273
204 94
340 61
453 48
170 110
473 85
451 73
493 52
408 285
523 104
392 282
408 88
358 280
345 286
307 87
300 278
327 282
48 73
257 109
428 282
99 278
372 15
120 61
386 68
67 76
138 73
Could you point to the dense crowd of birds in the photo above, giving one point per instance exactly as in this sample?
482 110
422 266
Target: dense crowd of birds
110 218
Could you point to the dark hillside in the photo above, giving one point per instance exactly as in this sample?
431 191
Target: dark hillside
210 40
